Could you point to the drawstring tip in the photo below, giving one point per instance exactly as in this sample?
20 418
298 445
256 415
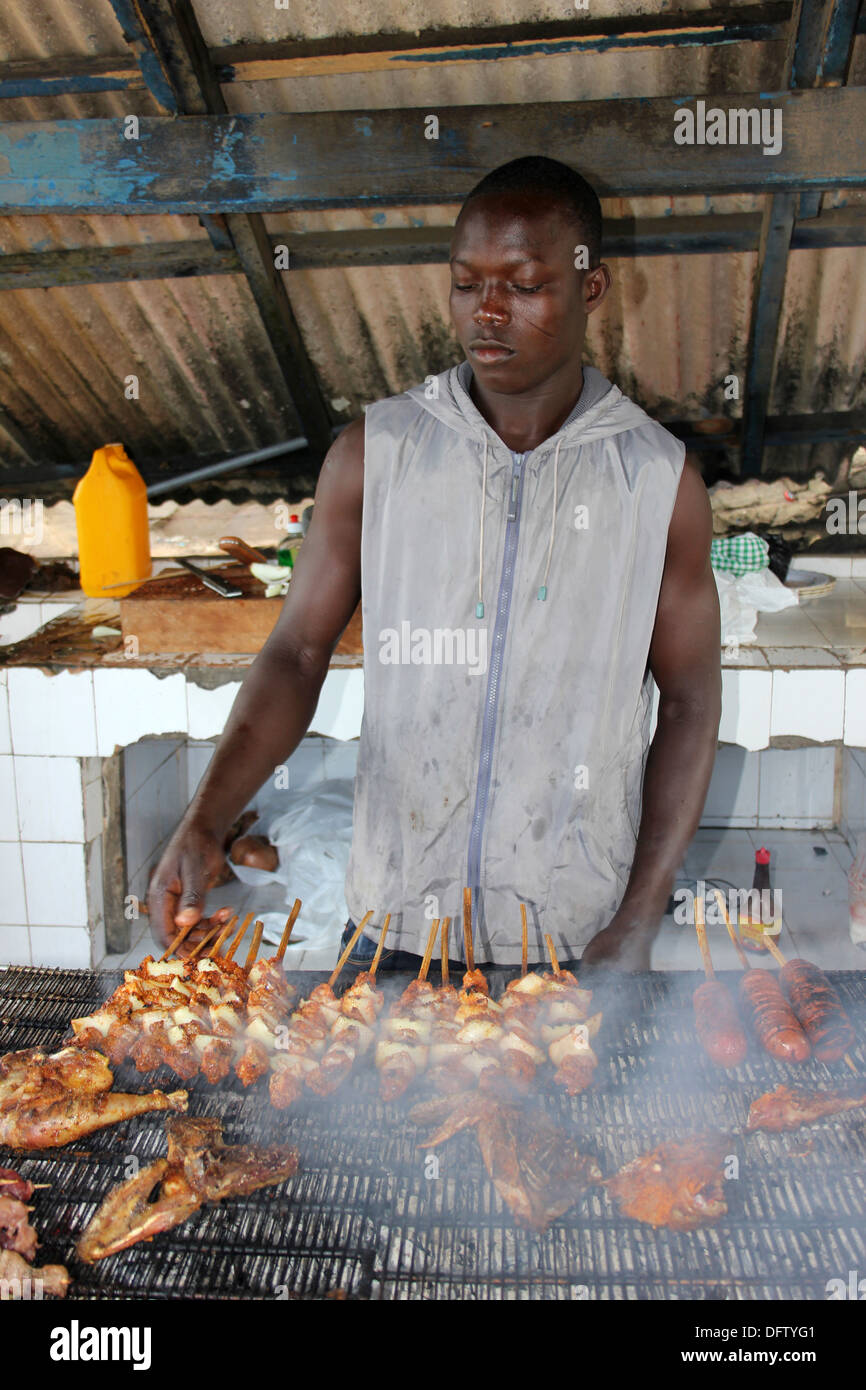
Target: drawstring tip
542 593
479 610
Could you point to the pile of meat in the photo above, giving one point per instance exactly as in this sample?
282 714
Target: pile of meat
18 1276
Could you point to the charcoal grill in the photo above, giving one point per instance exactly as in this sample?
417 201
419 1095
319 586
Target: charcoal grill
364 1218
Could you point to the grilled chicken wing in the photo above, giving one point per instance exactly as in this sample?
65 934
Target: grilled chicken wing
789 1108
535 1166
677 1185
199 1168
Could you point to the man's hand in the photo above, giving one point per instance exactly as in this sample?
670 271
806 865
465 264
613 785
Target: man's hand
624 944
176 896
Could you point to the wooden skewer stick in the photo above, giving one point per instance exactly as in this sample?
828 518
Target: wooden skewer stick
467 929
551 951
224 936
428 954
382 934
704 945
735 941
446 927
34 1185
239 936
182 934
208 937
349 948
284 939
254 945
524 944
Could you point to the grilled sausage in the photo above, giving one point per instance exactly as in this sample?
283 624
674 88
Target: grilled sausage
718 1024
773 1020
819 1009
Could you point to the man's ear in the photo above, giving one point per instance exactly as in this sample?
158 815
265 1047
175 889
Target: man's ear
596 284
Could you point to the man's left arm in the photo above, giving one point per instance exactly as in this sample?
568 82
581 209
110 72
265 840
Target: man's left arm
685 662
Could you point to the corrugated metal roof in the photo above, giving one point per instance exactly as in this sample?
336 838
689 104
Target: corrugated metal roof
671 329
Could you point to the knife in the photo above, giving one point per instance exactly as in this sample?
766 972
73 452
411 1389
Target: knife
213 581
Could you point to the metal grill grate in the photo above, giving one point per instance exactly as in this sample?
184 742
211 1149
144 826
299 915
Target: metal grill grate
362 1217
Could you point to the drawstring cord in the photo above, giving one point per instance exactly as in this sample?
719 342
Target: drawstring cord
542 593
479 607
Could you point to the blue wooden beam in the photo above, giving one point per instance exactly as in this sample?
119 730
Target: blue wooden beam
817 55
266 163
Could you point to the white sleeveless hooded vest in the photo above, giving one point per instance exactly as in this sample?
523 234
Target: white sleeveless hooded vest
507 696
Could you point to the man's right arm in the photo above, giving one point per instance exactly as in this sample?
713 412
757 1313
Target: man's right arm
277 700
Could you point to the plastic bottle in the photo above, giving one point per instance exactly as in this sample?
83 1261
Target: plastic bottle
753 929
111 519
289 543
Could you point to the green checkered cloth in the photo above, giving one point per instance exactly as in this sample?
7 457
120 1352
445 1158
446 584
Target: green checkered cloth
739 554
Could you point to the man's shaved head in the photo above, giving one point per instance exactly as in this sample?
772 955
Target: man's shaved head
550 179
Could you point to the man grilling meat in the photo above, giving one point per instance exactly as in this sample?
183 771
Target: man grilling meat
535 551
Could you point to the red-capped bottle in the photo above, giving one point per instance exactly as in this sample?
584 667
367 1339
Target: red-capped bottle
760 914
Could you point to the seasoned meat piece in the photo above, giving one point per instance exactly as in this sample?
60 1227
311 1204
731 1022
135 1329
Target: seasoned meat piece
789 1108
677 1185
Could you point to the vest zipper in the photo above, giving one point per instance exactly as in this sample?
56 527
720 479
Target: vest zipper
494 675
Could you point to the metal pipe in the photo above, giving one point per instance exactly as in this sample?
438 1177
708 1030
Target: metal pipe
213 470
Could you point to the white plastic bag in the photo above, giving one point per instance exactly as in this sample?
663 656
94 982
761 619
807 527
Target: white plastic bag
312 831
740 601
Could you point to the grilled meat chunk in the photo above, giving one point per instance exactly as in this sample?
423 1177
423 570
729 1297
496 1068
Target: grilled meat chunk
677 1185
199 1168
15 1272
51 1099
789 1108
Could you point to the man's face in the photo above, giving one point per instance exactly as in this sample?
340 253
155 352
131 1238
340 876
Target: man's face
514 282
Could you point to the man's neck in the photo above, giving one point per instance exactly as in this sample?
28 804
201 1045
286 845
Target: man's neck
523 422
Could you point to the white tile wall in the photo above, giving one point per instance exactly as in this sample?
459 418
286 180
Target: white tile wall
140 760
51 714
135 704
808 703
13 905
341 705
5 737
855 708
55 884
67 947
198 756
153 811
732 798
797 787
746 701
8 800
50 798
209 709
14 945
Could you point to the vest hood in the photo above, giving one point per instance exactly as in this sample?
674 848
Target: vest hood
450 402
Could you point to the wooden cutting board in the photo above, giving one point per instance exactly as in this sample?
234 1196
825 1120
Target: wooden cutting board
175 612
